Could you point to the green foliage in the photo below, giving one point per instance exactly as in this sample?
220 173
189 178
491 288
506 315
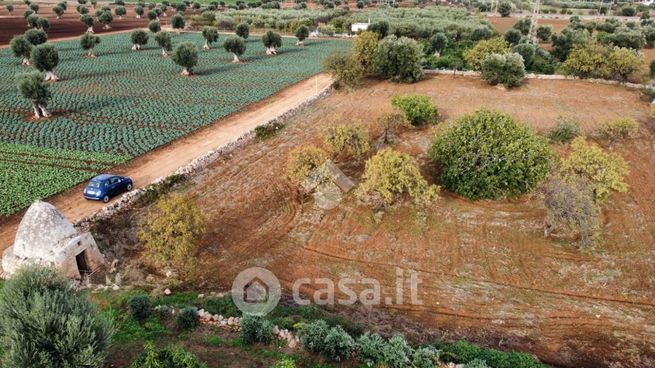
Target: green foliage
175 357
32 87
418 110
87 20
271 39
140 307
255 329
58 10
488 155
243 30
564 131
623 62
235 45
604 171
185 55
120 11
285 363
88 41
475 56
139 37
505 69
628 11
523 25
476 363
302 32
425 357
617 129
544 33
598 61
390 174
303 161
397 353
154 26
44 57
45 323
312 336
527 52
344 68
347 140
513 36
171 232
398 59
35 36
163 39
439 41
505 8
177 22
105 18
187 319
21 47
338 344
364 48
567 40
210 34
370 349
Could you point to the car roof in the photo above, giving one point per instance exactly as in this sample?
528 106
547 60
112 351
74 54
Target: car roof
102 177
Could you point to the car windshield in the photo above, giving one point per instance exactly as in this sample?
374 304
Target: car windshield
93 184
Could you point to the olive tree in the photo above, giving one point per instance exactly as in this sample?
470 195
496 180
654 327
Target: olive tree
505 8
243 30
36 36
152 15
120 11
163 39
475 56
544 33
398 59
139 39
45 58
303 161
88 22
364 47
58 10
344 68
82 9
177 22
154 26
45 322
105 18
301 34
32 87
271 41
186 56
10 9
88 41
236 46
623 62
507 69
210 34
138 10
347 140
21 48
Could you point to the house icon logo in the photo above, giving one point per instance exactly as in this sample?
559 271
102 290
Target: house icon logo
256 291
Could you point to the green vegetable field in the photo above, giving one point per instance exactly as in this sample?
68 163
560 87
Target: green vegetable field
124 103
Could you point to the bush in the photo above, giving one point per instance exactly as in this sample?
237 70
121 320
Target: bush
399 59
390 174
285 363
505 8
475 56
397 353
623 62
544 33
266 131
187 319
487 155
628 11
172 230
461 352
344 68
169 358
303 161
567 40
513 36
507 69
44 322
617 129
476 363
527 52
418 110
338 345
347 140
364 48
604 171
243 30
564 131
370 349
255 329
140 307
426 357
312 336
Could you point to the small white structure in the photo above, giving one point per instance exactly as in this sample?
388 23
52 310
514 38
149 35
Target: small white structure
357 27
47 238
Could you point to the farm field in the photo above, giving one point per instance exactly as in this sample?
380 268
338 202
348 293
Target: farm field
125 103
488 274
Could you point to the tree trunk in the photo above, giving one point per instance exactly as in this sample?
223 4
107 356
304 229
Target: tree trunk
26 61
300 43
50 76
120 17
163 14
37 112
185 72
136 46
90 54
90 30
236 59
138 16
59 17
106 26
271 51
164 53
44 112
206 46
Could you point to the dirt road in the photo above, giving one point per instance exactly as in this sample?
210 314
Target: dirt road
167 159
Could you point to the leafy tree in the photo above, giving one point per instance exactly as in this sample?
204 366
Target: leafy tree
152 15
35 37
58 10
505 8
624 37
344 68
391 122
139 39
154 26
120 11
10 9
481 33
105 18
243 30
186 56
34 7
271 41
138 10
370 349
564 131
364 48
513 36
544 33
31 21
507 69
628 11
21 48
303 161
476 55
567 40
172 231
439 42
604 171
523 25
527 52
45 58
488 155
33 88
170 358
390 174
347 140
44 322
339 345
255 329
399 59
614 130
177 22
82 9
210 34
164 41
587 61
418 110
27 13
301 34
235 45
88 41
381 28
88 22
623 62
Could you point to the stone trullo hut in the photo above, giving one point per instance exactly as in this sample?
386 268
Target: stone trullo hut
46 237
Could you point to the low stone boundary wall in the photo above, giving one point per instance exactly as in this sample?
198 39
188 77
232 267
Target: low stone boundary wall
128 199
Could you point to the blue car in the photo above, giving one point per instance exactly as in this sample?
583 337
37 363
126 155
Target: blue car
103 187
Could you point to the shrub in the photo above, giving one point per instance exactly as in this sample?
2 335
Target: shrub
390 174
475 56
418 110
399 59
623 62
588 61
255 329
303 161
266 131
344 68
243 30
507 69
461 351
338 345
544 33
604 171
177 22
390 123
312 336
285 363
617 129
347 140
487 155
439 41
513 36
476 363
187 319
527 52
505 8
564 131
567 40
172 230
628 11
370 349
169 358
426 357
140 307
364 48
44 322
397 353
